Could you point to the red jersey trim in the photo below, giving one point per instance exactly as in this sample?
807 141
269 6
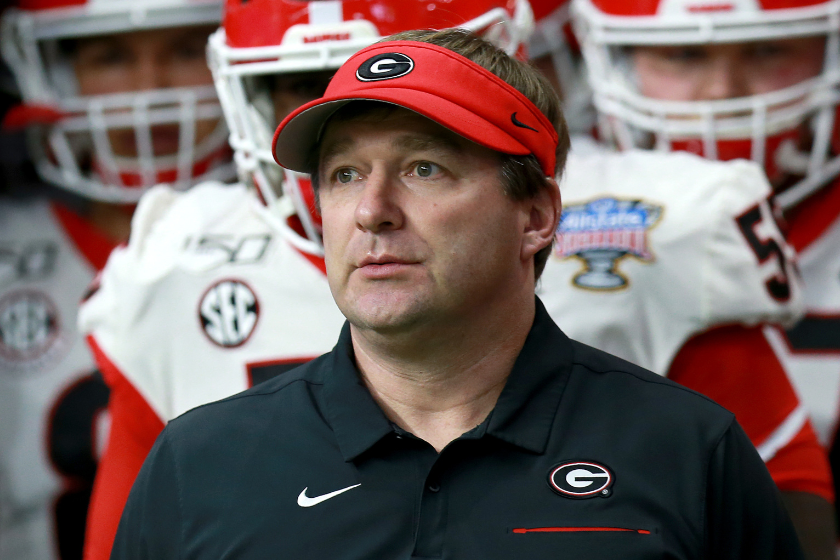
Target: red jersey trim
134 428
781 437
294 223
317 261
580 530
89 240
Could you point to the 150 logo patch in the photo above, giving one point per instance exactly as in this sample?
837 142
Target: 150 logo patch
219 249
33 261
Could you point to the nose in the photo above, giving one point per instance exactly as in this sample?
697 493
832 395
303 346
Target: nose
150 73
724 79
378 208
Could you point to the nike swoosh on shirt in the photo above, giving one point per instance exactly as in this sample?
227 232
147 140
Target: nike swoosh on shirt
305 501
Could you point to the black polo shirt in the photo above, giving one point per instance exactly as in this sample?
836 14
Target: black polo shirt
584 456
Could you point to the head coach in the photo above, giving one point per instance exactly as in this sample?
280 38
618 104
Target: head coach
453 419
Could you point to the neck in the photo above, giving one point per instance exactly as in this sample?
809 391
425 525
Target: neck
113 220
438 385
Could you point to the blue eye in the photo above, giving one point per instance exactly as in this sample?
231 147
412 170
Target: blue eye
426 169
345 175
687 54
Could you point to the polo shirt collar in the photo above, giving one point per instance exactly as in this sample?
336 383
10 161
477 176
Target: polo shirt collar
523 415
349 408
527 406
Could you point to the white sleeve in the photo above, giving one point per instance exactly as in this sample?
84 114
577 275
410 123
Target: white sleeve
207 293
654 248
750 273
124 308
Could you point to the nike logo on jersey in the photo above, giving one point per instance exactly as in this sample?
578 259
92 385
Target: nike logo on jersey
305 501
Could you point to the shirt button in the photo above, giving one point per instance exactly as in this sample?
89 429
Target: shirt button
434 487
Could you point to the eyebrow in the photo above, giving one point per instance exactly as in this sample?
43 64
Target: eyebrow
423 142
418 142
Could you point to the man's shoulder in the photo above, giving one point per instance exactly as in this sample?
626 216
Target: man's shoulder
290 395
613 380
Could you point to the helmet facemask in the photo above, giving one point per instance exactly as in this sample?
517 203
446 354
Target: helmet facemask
788 131
112 146
553 38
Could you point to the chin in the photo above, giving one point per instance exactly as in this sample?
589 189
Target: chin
385 313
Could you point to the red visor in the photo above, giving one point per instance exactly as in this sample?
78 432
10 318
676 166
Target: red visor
434 82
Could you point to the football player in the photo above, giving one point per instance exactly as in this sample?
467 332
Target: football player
116 96
225 279
752 80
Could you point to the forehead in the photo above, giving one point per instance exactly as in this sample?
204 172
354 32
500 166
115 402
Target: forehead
799 43
147 36
407 130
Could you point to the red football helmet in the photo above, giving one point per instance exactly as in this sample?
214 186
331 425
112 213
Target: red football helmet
766 128
553 37
264 39
69 133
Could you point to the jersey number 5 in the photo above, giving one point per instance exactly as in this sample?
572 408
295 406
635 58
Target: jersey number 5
751 223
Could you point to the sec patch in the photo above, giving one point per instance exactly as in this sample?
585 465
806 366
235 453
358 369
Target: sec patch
229 312
30 329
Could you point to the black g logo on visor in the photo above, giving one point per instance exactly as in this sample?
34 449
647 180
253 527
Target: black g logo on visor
581 479
384 67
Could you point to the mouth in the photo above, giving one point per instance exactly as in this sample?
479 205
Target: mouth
165 139
384 266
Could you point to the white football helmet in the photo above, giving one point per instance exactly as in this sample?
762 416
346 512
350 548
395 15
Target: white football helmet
69 133
765 128
261 38
553 36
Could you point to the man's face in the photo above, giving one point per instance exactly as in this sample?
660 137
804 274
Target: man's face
417 228
290 91
142 61
724 71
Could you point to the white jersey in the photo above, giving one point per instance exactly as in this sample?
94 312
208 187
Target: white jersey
811 350
205 298
49 398
634 222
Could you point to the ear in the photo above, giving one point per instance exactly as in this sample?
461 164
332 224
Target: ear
543 212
